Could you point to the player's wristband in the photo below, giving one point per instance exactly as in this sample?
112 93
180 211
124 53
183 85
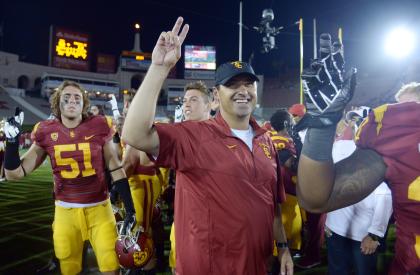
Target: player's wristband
124 190
11 156
319 142
116 138
282 245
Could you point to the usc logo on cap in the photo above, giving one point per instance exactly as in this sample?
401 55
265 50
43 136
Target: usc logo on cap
237 64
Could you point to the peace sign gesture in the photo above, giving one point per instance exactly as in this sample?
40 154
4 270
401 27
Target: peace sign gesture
167 50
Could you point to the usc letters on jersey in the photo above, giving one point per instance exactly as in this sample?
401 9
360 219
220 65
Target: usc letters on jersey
281 142
393 131
76 157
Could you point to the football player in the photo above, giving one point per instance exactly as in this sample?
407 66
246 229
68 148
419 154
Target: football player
80 150
146 181
280 122
146 185
135 250
388 149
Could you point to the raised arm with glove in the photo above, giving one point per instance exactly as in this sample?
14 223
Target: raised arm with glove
327 91
327 88
12 130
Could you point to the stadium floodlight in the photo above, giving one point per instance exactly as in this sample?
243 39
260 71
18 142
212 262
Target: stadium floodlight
399 43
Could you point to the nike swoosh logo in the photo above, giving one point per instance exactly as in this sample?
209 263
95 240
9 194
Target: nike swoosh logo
231 146
89 137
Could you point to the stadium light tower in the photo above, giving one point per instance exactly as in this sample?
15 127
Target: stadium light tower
399 43
136 47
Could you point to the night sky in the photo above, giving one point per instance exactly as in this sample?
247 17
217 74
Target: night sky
110 26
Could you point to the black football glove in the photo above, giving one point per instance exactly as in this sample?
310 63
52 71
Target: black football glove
327 88
13 126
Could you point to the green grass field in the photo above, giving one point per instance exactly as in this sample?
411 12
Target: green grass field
26 209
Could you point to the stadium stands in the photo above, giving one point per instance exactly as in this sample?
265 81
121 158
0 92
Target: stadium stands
8 103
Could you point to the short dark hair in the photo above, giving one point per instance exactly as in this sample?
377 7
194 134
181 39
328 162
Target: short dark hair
279 118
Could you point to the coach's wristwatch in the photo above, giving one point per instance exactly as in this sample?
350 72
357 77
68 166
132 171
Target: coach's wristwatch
374 237
282 245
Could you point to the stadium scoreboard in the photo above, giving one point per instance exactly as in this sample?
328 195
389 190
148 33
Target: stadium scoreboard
69 49
200 62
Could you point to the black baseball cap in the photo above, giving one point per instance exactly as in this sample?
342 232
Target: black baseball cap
228 70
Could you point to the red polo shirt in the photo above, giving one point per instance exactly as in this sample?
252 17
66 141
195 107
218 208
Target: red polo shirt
225 196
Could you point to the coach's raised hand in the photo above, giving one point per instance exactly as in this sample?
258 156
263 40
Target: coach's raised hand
167 50
138 130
